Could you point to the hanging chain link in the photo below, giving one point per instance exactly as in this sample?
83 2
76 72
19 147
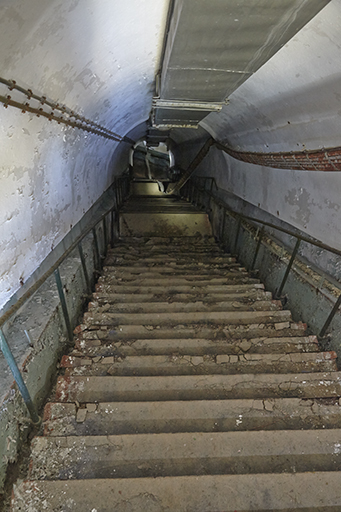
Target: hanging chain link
55 112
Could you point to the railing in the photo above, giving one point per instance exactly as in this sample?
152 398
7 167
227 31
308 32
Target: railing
194 192
121 189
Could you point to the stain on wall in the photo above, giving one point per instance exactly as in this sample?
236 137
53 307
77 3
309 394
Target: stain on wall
99 59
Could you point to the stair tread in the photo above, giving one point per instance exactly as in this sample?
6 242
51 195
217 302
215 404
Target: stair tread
238 294
195 346
170 272
184 288
183 260
200 364
166 282
195 387
172 305
172 267
233 332
175 454
169 318
104 418
319 491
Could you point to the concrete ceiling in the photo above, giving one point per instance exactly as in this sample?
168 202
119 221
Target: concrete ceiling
214 47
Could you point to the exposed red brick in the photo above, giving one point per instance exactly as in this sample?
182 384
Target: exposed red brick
326 160
68 362
63 389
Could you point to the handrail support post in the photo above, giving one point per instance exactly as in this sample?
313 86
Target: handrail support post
292 259
112 232
63 304
18 379
105 235
330 317
85 271
97 255
237 234
260 237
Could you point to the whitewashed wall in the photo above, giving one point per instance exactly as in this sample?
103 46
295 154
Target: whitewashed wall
100 59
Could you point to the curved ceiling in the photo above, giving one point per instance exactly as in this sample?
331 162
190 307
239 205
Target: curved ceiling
99 58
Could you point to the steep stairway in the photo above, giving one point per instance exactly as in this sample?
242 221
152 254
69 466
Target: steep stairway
189 389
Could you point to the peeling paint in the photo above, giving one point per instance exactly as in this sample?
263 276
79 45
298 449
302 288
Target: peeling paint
301 199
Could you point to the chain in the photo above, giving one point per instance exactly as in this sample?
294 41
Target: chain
57 112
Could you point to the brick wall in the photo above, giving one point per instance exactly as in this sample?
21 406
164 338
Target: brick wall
316 160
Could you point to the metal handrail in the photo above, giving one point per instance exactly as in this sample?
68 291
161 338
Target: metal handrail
221 203
299 239
121 190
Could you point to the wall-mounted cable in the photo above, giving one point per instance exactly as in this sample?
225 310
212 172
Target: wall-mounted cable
54 111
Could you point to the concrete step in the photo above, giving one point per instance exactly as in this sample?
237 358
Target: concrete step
166 250
163 270
188 288
198 365
161 240
172 257
156 210
199 306
109 335
173 266
177 454
113 418
167 319
194 346
188 222
160 205
167 281
307 492
179 270
166 241
198 387
189 259
242 297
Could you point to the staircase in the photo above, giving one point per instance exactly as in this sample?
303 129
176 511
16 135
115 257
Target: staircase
189 389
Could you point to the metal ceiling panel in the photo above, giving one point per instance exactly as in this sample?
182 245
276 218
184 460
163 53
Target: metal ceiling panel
178 117
206 85
213 46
